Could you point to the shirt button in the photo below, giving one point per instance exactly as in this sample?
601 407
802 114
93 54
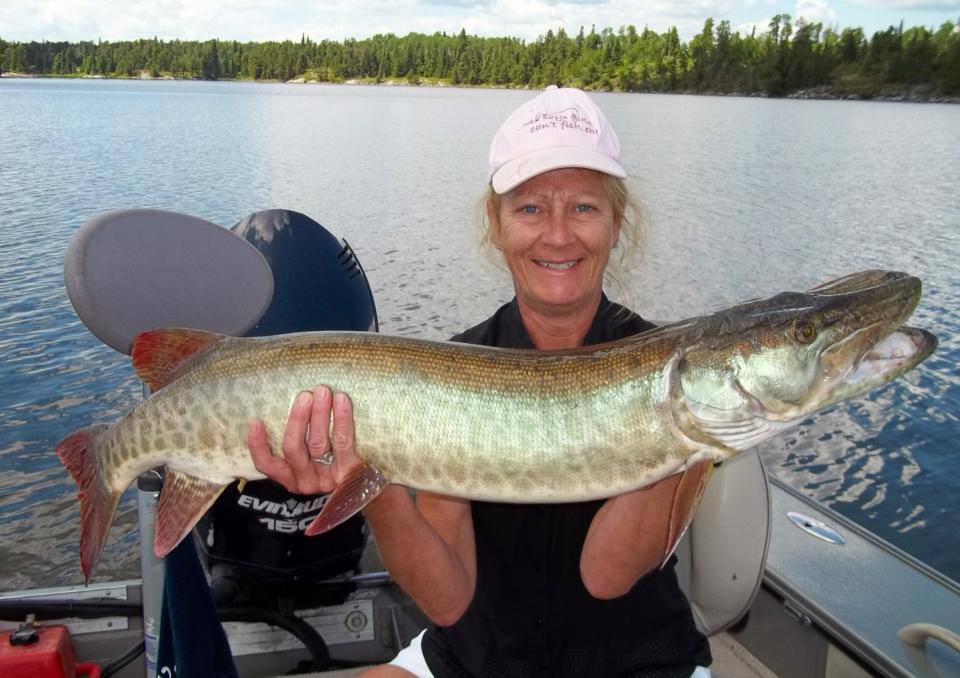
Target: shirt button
538 621
538 565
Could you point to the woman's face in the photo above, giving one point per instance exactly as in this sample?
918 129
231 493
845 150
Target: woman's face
556 233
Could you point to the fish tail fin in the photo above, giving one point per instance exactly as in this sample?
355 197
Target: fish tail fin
98 502
361 486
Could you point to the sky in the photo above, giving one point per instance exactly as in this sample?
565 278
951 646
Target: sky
259 20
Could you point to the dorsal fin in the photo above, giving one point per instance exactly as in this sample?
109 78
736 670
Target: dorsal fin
157 354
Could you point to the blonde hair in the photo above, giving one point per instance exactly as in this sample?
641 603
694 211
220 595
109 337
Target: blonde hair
627 211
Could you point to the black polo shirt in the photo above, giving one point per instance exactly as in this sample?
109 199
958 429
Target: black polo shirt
531 614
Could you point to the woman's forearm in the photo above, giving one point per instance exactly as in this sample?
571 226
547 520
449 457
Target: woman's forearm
428 548
635 532
627 539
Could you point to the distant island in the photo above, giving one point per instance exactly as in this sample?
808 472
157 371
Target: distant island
789 59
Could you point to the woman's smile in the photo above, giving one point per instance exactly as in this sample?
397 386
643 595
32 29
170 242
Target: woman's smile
559 265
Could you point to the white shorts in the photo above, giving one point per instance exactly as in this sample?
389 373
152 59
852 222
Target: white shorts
411 659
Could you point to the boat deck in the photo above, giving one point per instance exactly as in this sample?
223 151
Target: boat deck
823 610
733 660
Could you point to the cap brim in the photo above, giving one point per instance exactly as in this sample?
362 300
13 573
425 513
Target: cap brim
515 172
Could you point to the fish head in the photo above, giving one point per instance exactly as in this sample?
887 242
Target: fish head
763 366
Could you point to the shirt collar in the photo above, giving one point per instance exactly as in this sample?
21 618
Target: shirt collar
515 332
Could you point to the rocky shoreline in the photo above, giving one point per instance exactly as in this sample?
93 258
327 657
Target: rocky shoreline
915 95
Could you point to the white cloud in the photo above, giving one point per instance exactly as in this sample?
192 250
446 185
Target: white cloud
748 27
814 11
934 5
339 19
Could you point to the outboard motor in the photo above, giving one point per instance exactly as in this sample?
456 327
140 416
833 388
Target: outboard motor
132 270
252 538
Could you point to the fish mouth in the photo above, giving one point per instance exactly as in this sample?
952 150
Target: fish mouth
900 351
883 348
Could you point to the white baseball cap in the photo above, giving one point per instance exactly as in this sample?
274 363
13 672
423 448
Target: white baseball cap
558 128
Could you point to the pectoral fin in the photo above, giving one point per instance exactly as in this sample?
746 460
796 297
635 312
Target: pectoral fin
183 500
686 498
359 488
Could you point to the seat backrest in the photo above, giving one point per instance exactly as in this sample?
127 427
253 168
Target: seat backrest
720 561
133 270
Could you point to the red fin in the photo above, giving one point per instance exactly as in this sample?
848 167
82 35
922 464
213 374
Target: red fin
183 500
686 499
97 502
359 488
157 354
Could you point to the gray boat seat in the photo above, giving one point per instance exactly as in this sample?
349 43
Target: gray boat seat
119 273
720 560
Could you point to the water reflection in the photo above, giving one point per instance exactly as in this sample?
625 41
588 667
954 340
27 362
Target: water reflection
748 198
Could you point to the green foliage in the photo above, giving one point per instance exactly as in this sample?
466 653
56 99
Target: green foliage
788 57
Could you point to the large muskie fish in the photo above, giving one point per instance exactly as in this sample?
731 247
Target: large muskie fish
496 424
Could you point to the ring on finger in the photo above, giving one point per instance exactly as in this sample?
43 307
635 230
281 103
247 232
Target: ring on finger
326 458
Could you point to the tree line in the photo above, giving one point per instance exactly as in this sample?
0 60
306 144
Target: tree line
786 58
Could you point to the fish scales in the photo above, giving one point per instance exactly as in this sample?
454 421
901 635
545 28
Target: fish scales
483 422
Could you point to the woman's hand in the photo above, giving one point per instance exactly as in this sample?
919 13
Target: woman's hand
442 576
307 439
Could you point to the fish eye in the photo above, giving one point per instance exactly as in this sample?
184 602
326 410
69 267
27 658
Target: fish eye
804 331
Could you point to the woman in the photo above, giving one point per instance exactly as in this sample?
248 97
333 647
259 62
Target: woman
524 590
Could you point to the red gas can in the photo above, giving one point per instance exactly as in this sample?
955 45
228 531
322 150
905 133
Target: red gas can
49 656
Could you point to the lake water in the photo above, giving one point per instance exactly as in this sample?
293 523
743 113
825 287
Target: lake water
746 197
